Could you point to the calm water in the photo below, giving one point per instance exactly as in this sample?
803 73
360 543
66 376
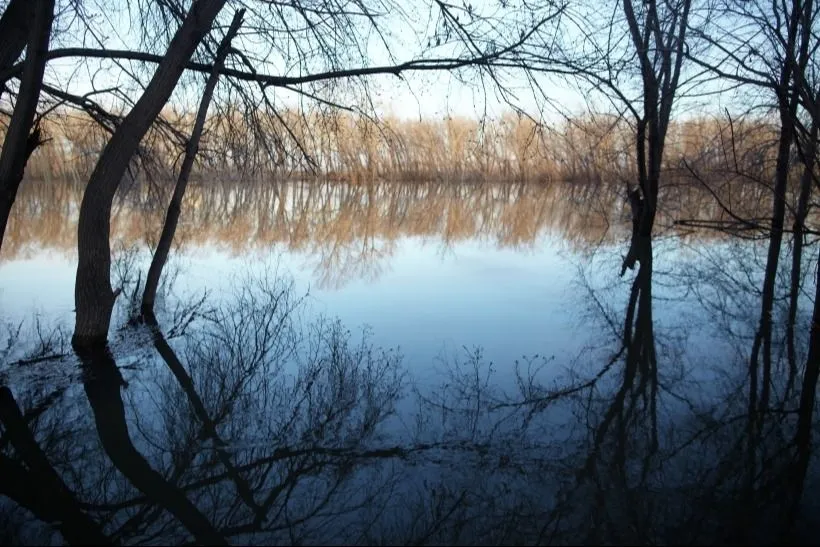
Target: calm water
451 375
428 269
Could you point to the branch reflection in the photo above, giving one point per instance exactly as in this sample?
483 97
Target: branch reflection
243 422
350 231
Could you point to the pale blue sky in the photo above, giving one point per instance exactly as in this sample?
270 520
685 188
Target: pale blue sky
427 94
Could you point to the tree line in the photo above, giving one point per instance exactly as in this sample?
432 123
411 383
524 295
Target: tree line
355 148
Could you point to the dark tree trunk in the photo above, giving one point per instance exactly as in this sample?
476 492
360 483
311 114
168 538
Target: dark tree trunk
649 144
20 142
94 299
787 101
808 396
102 382
763 338
175 207
811 374
14 30
806 183
760 385
660 77
38 487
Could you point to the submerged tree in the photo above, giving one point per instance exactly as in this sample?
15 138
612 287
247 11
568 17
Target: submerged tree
767 51
631 56
658 34
174 208
94 297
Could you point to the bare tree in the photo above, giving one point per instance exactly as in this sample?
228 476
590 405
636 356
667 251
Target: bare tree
174 208
20 141
807 84
766 47
631 55
93 294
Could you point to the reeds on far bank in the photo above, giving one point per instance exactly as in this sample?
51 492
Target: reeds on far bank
344 147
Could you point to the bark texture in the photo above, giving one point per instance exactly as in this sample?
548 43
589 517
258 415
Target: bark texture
93 296
20 141
175 207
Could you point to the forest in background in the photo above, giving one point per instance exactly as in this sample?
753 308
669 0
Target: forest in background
347 147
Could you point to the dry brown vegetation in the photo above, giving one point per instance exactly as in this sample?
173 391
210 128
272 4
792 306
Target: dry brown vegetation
507 181
344 147
349 228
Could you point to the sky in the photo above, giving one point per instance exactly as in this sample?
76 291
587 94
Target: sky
429 95
416 95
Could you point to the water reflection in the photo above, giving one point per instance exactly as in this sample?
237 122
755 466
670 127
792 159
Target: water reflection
243 421
242 418
257 429
351 231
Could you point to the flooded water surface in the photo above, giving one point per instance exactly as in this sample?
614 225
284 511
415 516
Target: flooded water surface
427 267
414 363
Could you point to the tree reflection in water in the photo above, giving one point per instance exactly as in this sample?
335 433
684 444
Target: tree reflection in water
261 430
348 230
249 424
241 419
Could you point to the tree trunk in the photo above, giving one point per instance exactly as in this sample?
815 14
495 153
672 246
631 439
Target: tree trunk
20 142
808 396
787 102
175 207
797 252
14 30
94 299
763 338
